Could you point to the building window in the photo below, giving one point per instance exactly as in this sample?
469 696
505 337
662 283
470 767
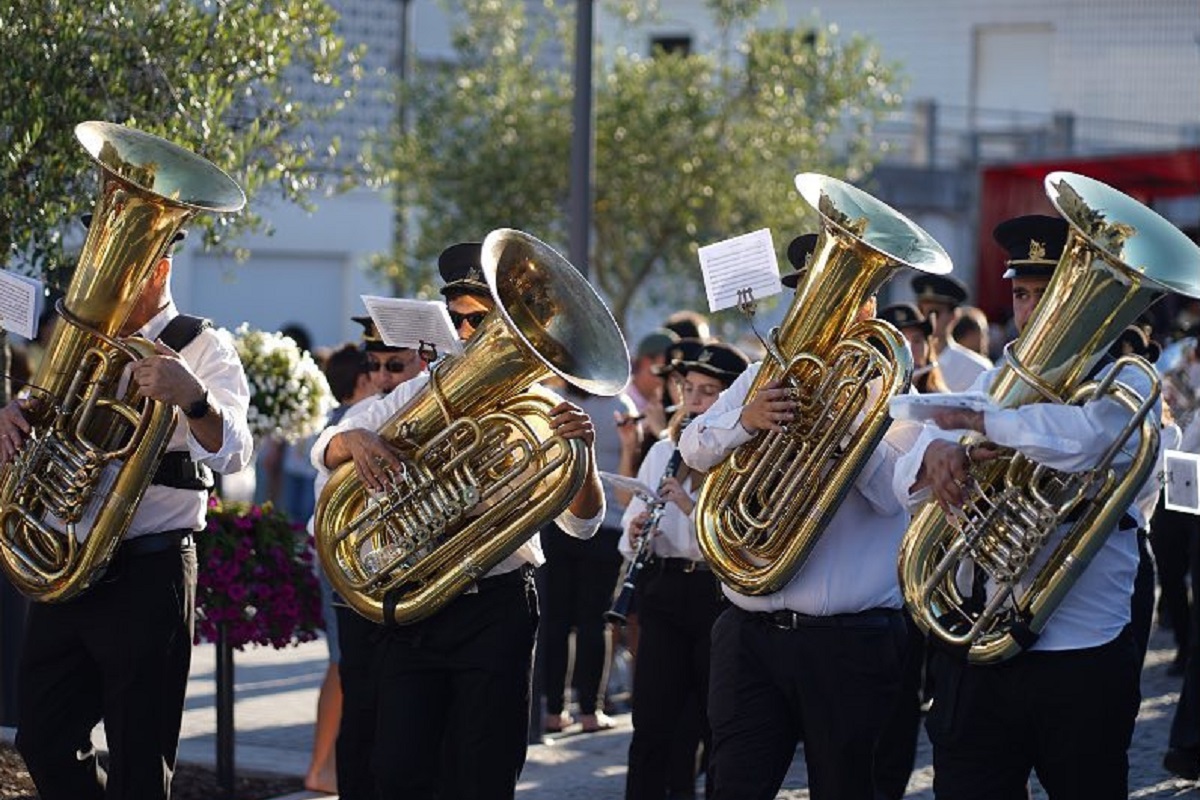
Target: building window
671 45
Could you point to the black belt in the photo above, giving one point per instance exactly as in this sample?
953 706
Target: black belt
683 565
794 620
520 575
156 543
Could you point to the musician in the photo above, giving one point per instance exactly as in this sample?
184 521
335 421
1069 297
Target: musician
579 577
820 659
938 297
647 388
454 689
917 330
1065 706
364 373
121 651
678 596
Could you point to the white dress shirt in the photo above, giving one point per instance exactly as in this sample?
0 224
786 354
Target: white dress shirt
1070 438
960 366
214 360
372 417
676 535
852 566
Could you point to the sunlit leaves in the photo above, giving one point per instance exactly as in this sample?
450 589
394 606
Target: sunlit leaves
214 76
688 150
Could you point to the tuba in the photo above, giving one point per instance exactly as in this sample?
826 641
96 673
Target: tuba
1119 258
69 495
761 510
482 469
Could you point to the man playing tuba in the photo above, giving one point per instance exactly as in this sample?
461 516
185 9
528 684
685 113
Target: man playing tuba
454 688
1065 705
820 659
121 651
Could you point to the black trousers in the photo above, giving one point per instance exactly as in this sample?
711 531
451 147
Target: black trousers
1185 725
119 652
896 751
580 578
1173 537
454 697
1142 603
358 639
831 685
676 611
1066 715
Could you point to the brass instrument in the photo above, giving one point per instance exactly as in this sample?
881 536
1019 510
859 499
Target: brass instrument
1119 258
68 497
483 470
761 511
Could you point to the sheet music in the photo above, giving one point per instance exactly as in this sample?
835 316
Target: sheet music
632 485
410 323
740 269
1181 484
18 303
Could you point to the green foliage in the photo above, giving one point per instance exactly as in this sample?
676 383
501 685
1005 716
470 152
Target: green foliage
216 76
688 149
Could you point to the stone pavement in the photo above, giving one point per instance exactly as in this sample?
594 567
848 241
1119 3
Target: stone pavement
276 693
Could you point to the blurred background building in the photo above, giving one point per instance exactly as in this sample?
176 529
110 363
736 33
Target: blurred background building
999 93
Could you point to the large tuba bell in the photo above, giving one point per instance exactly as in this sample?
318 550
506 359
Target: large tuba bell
68 497
1119 258
483 471
761 511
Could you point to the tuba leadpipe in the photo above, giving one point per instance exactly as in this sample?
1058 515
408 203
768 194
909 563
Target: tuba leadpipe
68 496
1119 258
761 511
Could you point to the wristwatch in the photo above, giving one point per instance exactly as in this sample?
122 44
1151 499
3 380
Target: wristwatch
198 409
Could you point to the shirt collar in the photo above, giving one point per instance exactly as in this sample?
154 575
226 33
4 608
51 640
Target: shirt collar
154 328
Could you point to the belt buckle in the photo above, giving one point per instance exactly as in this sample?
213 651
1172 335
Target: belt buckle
785 619
690 566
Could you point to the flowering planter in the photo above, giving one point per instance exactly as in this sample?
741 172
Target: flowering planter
256 585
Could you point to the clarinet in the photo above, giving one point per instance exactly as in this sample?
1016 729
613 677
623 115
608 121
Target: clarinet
620 606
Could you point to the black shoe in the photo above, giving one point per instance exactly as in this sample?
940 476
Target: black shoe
1183 763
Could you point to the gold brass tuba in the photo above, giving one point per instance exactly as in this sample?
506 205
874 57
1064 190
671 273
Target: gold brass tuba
483 471
1119 258
68 497
761 511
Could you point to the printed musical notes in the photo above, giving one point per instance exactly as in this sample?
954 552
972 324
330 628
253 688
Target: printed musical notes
740 271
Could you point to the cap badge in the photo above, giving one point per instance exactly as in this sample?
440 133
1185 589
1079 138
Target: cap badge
1037 250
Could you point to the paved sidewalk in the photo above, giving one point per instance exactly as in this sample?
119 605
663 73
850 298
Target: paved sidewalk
277 698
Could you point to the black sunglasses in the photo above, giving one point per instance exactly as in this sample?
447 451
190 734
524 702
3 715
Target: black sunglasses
393 367
475 318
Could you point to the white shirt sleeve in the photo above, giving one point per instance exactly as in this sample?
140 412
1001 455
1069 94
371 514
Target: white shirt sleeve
1071 438
215 362
718 432
371 417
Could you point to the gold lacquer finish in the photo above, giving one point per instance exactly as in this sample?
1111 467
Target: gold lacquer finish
482 469
68 497
1119 258
761 510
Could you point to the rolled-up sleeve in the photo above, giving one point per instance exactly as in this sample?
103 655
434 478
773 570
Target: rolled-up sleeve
372 417
718 432
578 527
215 363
